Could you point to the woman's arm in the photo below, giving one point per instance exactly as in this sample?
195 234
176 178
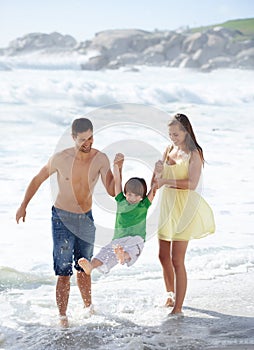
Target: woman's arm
194 173
161 162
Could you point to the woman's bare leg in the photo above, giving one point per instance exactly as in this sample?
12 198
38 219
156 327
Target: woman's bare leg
167 267
178 255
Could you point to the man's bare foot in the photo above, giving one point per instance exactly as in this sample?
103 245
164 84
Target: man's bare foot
120 254
63 320
170 302
170 299
86 265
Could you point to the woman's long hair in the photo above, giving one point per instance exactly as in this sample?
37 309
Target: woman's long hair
190 140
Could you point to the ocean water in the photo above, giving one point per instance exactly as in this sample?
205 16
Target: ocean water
130 111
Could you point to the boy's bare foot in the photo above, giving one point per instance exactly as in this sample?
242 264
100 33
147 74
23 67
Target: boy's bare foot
63 320
86 265
120 254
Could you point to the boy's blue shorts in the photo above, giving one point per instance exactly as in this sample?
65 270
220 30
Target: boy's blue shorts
73 238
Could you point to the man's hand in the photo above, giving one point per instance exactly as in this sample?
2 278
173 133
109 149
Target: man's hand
119 159
21 213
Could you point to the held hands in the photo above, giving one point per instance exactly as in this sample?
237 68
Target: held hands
158 169
119 159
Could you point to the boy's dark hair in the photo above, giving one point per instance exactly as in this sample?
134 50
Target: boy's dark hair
81 125
136 185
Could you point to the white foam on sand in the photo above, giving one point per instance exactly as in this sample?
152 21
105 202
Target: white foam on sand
129 314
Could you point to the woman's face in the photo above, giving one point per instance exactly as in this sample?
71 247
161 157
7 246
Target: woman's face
176 135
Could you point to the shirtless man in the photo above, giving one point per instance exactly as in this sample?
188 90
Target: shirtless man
78 170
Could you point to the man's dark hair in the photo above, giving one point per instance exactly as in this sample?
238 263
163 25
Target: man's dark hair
81 125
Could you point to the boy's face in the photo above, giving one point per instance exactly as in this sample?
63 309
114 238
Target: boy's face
133 198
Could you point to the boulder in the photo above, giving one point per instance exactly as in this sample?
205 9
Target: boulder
95 63
217 62
173 47
41 42
194 42
214 47
129 59
116 42
188 62
245 59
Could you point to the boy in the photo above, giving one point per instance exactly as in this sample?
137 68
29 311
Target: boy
130 224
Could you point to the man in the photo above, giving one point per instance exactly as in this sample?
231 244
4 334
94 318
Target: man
78 170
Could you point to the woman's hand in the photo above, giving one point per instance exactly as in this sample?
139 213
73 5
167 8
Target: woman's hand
161 182
158 168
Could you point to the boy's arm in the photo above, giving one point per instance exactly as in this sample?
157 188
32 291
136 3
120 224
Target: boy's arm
117 171
152 192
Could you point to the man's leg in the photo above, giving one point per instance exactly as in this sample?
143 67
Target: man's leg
62 298
83 248
84 284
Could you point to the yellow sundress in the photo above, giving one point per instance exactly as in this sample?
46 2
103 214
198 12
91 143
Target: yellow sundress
184 214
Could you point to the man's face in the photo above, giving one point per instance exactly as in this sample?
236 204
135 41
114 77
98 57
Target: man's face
84 141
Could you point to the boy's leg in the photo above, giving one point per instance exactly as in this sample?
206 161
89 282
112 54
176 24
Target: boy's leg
88 266
128 249
121 255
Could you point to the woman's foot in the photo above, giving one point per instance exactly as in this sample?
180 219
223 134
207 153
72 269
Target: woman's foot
176 314
86 265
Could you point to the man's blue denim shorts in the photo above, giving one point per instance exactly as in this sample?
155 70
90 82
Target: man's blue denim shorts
73 238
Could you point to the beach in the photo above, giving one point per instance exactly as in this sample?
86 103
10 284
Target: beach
130 111
128 315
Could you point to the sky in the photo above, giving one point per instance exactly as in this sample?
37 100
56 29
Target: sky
83 18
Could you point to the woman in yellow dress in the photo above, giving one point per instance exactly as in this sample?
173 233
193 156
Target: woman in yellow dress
184 214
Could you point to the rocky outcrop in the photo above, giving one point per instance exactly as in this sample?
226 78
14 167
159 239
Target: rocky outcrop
217 47
207 50
45 43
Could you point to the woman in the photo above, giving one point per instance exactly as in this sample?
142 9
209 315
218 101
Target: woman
184 214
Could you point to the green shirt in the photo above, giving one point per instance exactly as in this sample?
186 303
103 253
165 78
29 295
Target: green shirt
130 218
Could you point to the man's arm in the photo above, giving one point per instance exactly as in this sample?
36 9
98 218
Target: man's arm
32 188
107 175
